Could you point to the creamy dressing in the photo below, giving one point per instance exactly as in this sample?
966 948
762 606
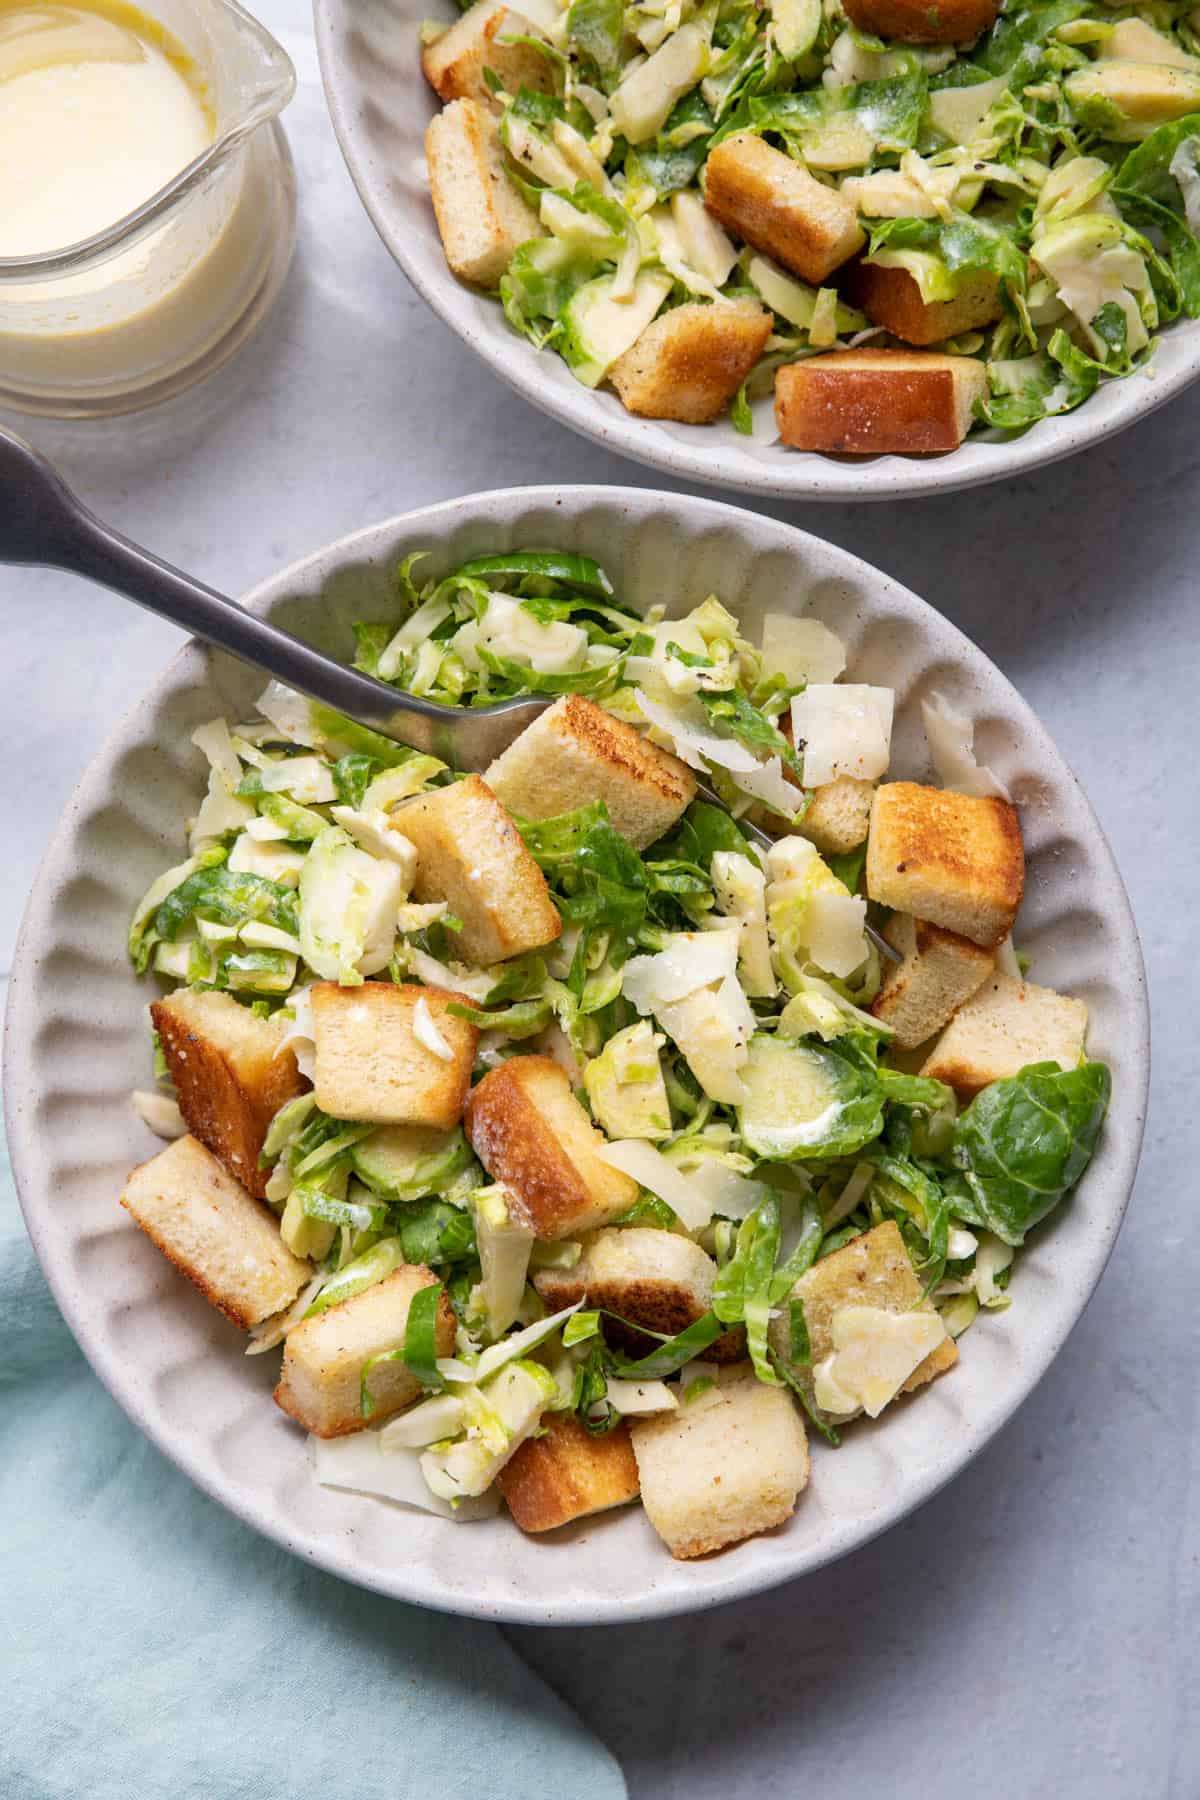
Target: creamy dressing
99 109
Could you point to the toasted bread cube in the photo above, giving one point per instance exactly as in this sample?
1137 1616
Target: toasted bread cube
530 1132
891 298
776 205
470 854
1005 1025
454 63
371 1064
723 1467
225 1242
919 22
482 218
878 402
690 363
940 970
872 1270
568 1473
321 1383
656 1279
230 1075
839 815
576 753
954 859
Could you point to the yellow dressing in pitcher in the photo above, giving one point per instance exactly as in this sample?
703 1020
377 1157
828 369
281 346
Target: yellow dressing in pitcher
99 109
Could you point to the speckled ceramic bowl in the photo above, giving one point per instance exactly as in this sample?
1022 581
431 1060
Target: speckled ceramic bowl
76 1044
381 104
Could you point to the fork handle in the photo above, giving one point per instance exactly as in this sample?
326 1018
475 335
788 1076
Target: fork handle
42 522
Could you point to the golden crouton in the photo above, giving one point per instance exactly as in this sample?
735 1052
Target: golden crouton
470 854
324 1357
940 970
1002 1027
568 1473
891 298
481 216
776 205
690 363
225 1242
954 859
530 1132
878 402
454 63
657 1279
230 1075
839 815
872 1270
924 21
371 1063
576 753
723 1467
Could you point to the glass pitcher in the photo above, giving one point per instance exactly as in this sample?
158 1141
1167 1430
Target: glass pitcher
164 296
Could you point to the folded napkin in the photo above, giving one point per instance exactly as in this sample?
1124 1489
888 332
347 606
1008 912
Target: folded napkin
153 1646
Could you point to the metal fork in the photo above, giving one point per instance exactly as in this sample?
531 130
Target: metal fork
43 523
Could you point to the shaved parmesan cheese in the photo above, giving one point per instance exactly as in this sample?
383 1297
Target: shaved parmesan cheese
290 713
843 729
960 1243
220 811
373 833
427 1033
874 1353
634 1397
160 1113
691 960
652 1170
768 783
727 1192
713 1028
691 739
833 931
801 649
359 1464
951 738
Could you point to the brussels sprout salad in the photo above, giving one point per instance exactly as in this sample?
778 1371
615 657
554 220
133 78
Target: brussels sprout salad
1024 194
576 1152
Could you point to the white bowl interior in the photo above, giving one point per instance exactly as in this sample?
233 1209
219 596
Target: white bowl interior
380 104
77 1044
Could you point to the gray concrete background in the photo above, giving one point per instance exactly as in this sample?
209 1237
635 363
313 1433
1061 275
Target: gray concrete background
1033 1631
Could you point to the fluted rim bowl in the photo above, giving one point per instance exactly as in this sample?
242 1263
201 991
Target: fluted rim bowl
76 1043
380 105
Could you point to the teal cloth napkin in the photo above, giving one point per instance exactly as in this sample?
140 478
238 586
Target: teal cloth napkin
152 1645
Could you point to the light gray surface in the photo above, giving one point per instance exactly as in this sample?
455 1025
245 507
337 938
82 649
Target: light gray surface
1035 1627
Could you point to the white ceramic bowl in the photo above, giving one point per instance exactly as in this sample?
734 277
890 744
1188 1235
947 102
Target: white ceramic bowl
380 104
76 1045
